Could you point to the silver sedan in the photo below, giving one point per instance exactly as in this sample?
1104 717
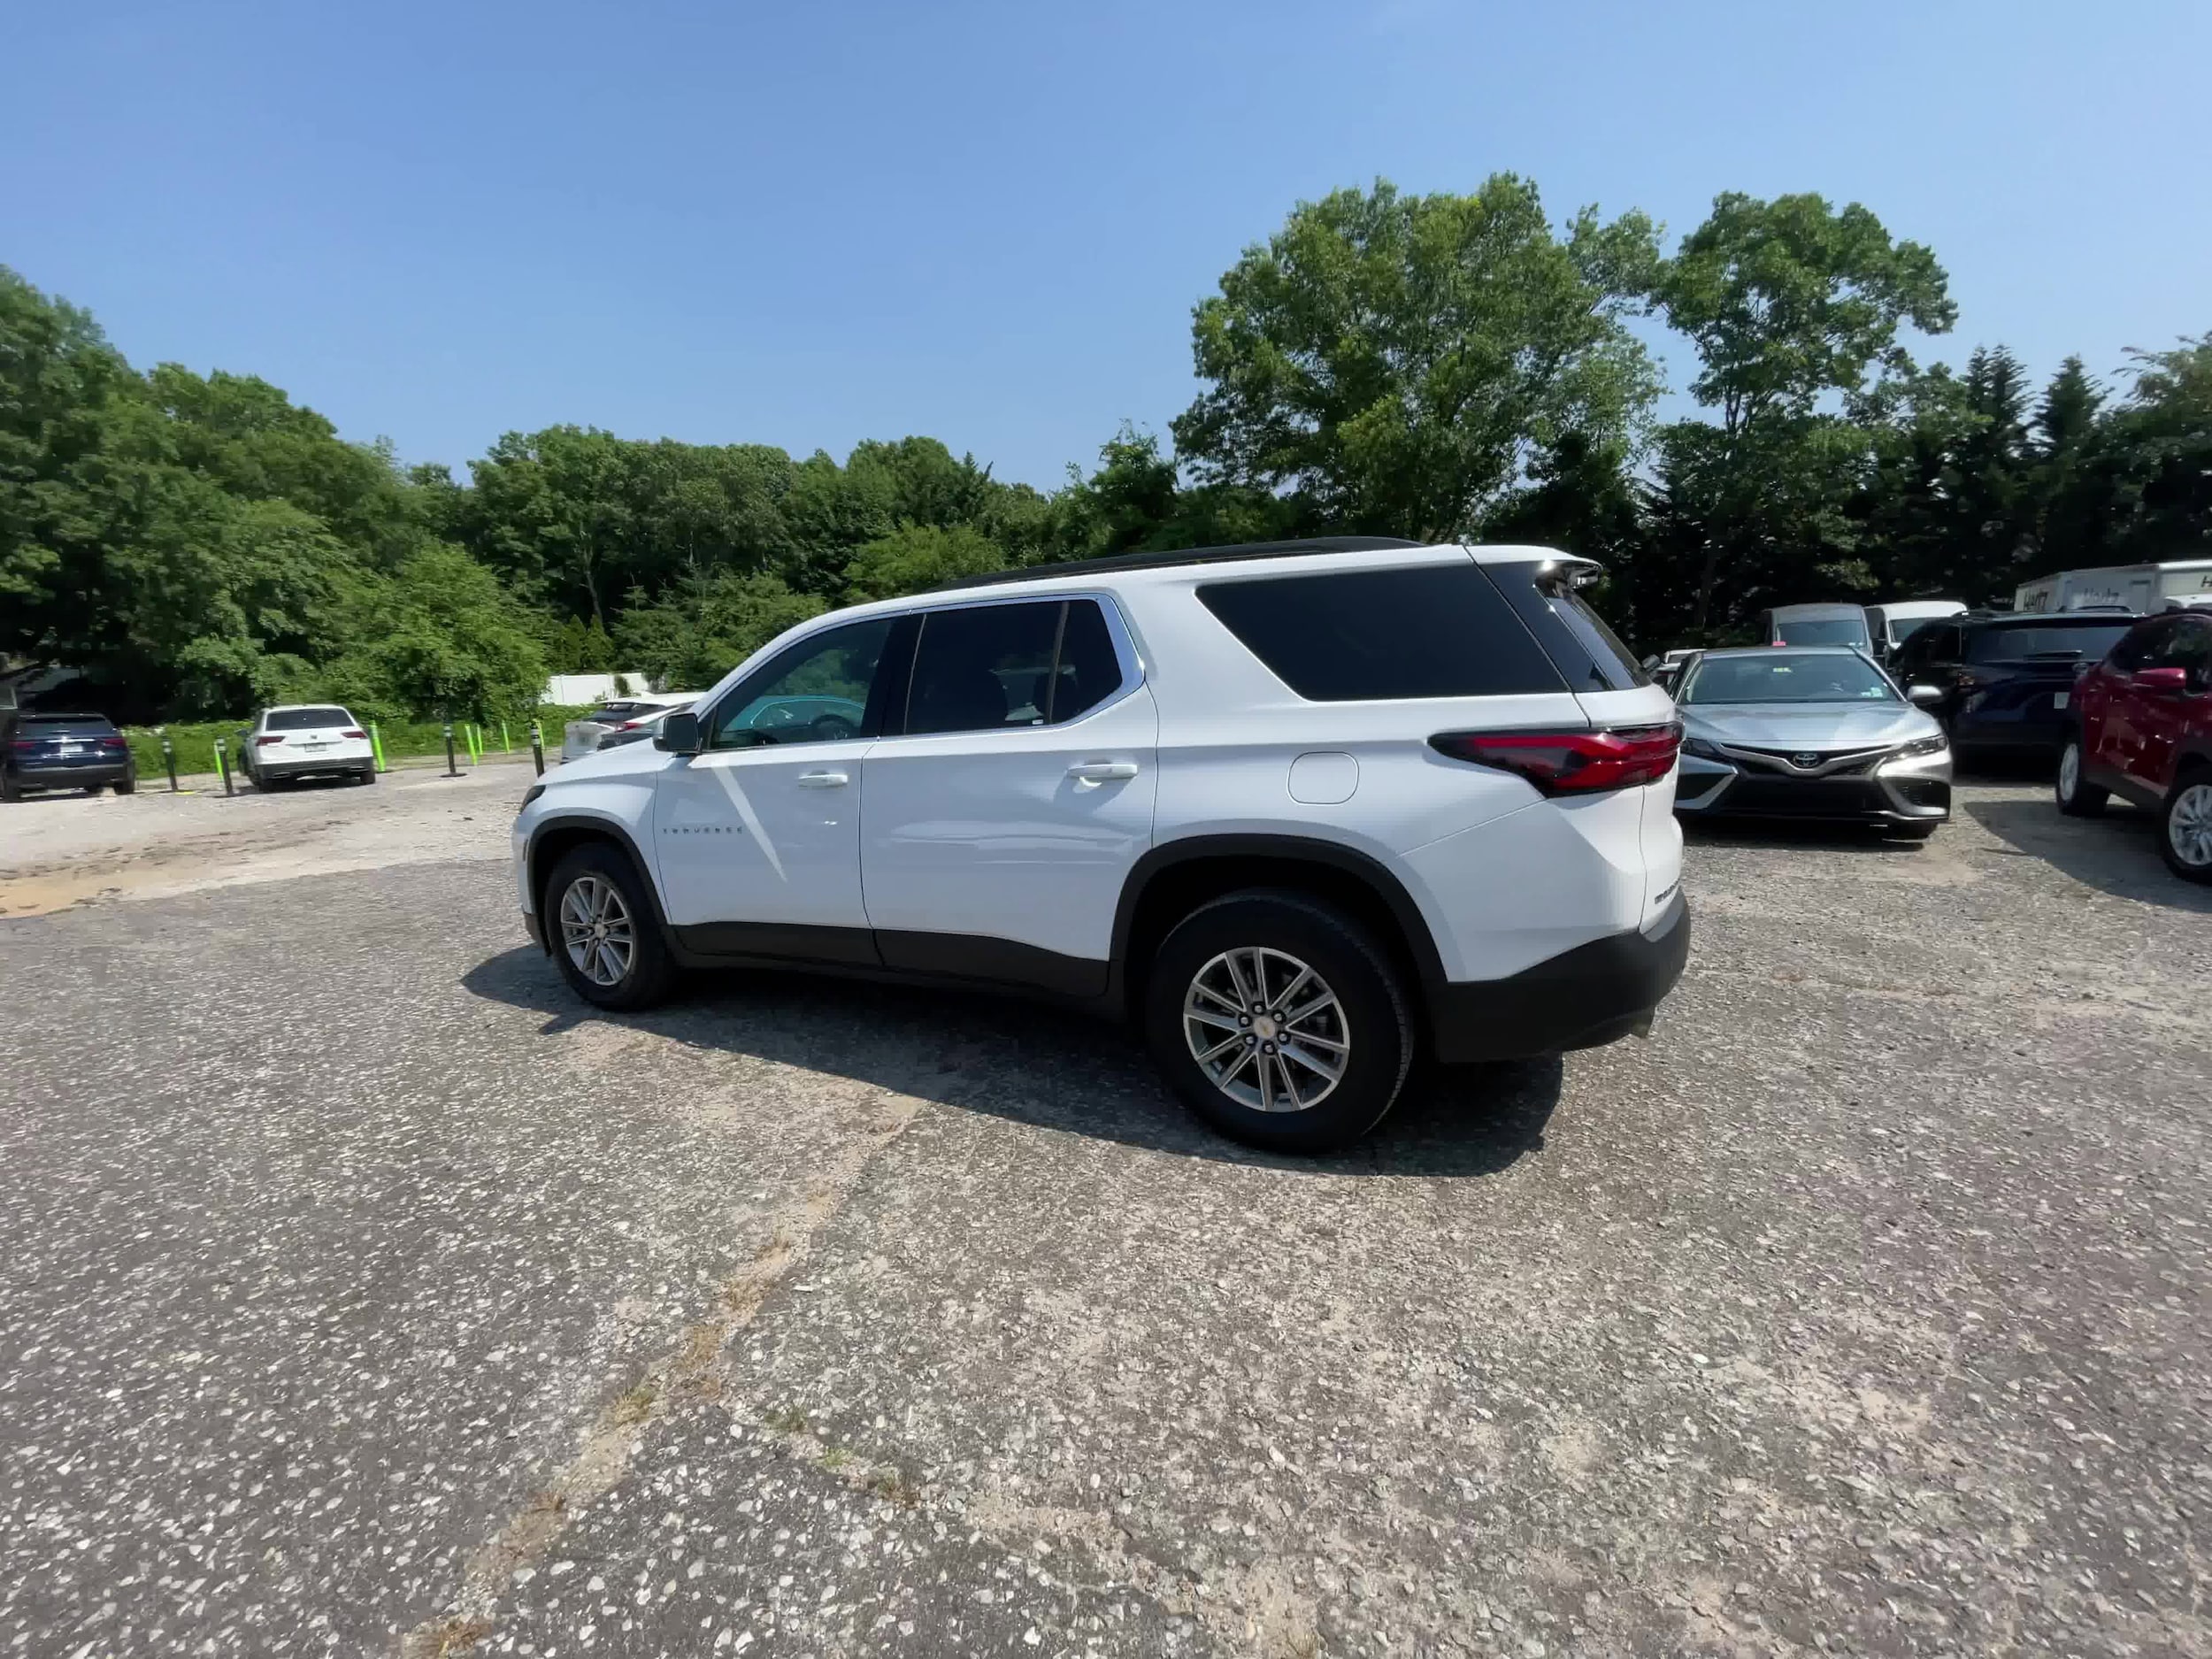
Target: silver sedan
1807 732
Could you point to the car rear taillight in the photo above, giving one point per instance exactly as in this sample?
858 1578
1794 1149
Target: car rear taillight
113 742
1572 763
263 742
24 745
349 732
628 725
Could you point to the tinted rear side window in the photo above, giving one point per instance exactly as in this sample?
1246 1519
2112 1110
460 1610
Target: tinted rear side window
307 720
1440 631
1588 652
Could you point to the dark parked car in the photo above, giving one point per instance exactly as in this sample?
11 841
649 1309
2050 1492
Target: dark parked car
2007 682
2143 730
65 752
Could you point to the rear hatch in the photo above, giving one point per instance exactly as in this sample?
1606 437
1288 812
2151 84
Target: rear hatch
295 736
2024 671
1615 695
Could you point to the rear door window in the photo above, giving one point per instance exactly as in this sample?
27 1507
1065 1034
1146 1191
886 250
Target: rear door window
1363 636
980 667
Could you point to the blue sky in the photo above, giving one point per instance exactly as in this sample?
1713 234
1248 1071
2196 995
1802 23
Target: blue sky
808 225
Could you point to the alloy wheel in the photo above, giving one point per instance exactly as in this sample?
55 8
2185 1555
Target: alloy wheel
2069 771
596 930
2189 826
1266 1030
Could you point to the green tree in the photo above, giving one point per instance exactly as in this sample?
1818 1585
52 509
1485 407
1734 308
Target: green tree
1791 305
706 625
1398 363
441 638
915 557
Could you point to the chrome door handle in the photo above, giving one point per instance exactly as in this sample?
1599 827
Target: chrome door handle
823 780
1102 771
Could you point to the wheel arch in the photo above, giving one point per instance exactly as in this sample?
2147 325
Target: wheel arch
554 838
1173 879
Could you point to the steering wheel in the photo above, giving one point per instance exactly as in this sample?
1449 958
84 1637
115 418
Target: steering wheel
829 728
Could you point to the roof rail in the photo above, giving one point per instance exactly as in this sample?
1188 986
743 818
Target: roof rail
1141 561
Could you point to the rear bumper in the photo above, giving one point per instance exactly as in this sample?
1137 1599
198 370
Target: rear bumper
1593 993
319 767
71 775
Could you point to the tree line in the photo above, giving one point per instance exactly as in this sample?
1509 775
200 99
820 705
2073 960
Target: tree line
1420 365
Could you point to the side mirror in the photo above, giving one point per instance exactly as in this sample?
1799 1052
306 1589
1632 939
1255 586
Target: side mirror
678 734
1925 696
2171 681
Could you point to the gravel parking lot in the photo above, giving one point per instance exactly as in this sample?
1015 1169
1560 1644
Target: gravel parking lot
366 1294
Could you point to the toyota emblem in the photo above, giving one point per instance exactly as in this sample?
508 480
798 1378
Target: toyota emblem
1804 762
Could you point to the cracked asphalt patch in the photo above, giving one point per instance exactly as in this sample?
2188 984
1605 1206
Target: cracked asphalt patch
365 1294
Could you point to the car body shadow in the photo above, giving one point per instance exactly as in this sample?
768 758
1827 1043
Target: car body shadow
1036 1065
2116 852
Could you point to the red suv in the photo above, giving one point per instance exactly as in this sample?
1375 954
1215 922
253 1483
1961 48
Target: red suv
2143 729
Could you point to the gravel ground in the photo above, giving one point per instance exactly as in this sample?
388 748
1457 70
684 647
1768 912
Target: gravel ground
368 1294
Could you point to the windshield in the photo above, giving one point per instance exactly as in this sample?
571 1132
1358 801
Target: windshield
1786 677
1827 631
2053 640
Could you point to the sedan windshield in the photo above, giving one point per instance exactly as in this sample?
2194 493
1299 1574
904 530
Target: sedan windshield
1786 677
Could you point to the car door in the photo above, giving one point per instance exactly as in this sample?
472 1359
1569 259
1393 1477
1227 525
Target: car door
2124 710
1002 816
2163 718
756 837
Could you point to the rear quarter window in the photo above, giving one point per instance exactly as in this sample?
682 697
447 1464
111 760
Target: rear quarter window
1364 636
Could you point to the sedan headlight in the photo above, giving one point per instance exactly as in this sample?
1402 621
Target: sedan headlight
1699 747
1920 746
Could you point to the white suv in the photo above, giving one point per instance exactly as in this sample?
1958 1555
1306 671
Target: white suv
1301 809
305 740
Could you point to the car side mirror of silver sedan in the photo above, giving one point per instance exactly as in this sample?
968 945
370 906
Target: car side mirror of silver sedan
1926 697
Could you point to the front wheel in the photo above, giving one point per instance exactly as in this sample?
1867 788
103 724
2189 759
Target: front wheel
602 930
1279 1021
2076 797
2184 827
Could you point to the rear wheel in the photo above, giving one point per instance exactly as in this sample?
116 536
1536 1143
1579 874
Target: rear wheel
1279 1021
2076 797
600 926
125 786
2184 827
9 789
367 774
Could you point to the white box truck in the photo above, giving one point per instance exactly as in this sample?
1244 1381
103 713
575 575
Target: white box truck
2142 589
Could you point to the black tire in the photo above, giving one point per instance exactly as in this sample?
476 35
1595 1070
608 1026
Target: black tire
9 789
1377 1018
125 786
649 972
2193 789
367 774
2077 798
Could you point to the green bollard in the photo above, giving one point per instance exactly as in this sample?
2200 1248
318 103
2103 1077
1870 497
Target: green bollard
376 747
505 741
